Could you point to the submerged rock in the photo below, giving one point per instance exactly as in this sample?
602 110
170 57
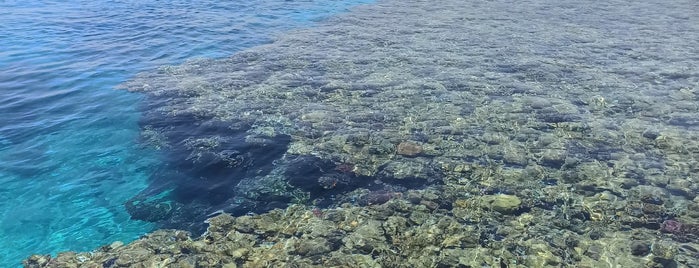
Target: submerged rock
409 148
505 204
639 248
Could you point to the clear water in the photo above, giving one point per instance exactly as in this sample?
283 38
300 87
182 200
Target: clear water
69 152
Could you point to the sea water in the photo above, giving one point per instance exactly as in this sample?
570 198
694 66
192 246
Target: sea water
69 150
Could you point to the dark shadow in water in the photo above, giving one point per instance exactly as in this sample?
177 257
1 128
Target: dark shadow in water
204 163
212 166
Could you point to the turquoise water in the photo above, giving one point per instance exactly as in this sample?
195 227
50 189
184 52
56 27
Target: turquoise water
69 151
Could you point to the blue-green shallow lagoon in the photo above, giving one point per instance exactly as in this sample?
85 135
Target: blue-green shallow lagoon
69 152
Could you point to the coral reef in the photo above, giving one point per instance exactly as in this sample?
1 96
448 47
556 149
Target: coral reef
424 134
398 233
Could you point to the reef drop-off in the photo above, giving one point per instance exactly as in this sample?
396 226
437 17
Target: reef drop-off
415 133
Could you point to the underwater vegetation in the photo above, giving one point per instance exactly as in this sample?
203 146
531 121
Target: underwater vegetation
415 134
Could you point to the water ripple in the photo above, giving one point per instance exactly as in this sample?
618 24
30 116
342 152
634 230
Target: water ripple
68 151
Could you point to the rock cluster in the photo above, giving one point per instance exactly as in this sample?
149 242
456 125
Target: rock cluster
403 232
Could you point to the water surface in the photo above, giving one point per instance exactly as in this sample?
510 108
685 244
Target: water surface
69 151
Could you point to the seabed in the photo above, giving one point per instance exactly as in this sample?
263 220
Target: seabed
425 134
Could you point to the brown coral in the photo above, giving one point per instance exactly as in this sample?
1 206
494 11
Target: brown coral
409 148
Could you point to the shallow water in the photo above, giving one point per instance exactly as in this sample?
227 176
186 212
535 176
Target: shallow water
410 134
69 151
539 133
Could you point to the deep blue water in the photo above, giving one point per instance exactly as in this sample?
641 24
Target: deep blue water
69 151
